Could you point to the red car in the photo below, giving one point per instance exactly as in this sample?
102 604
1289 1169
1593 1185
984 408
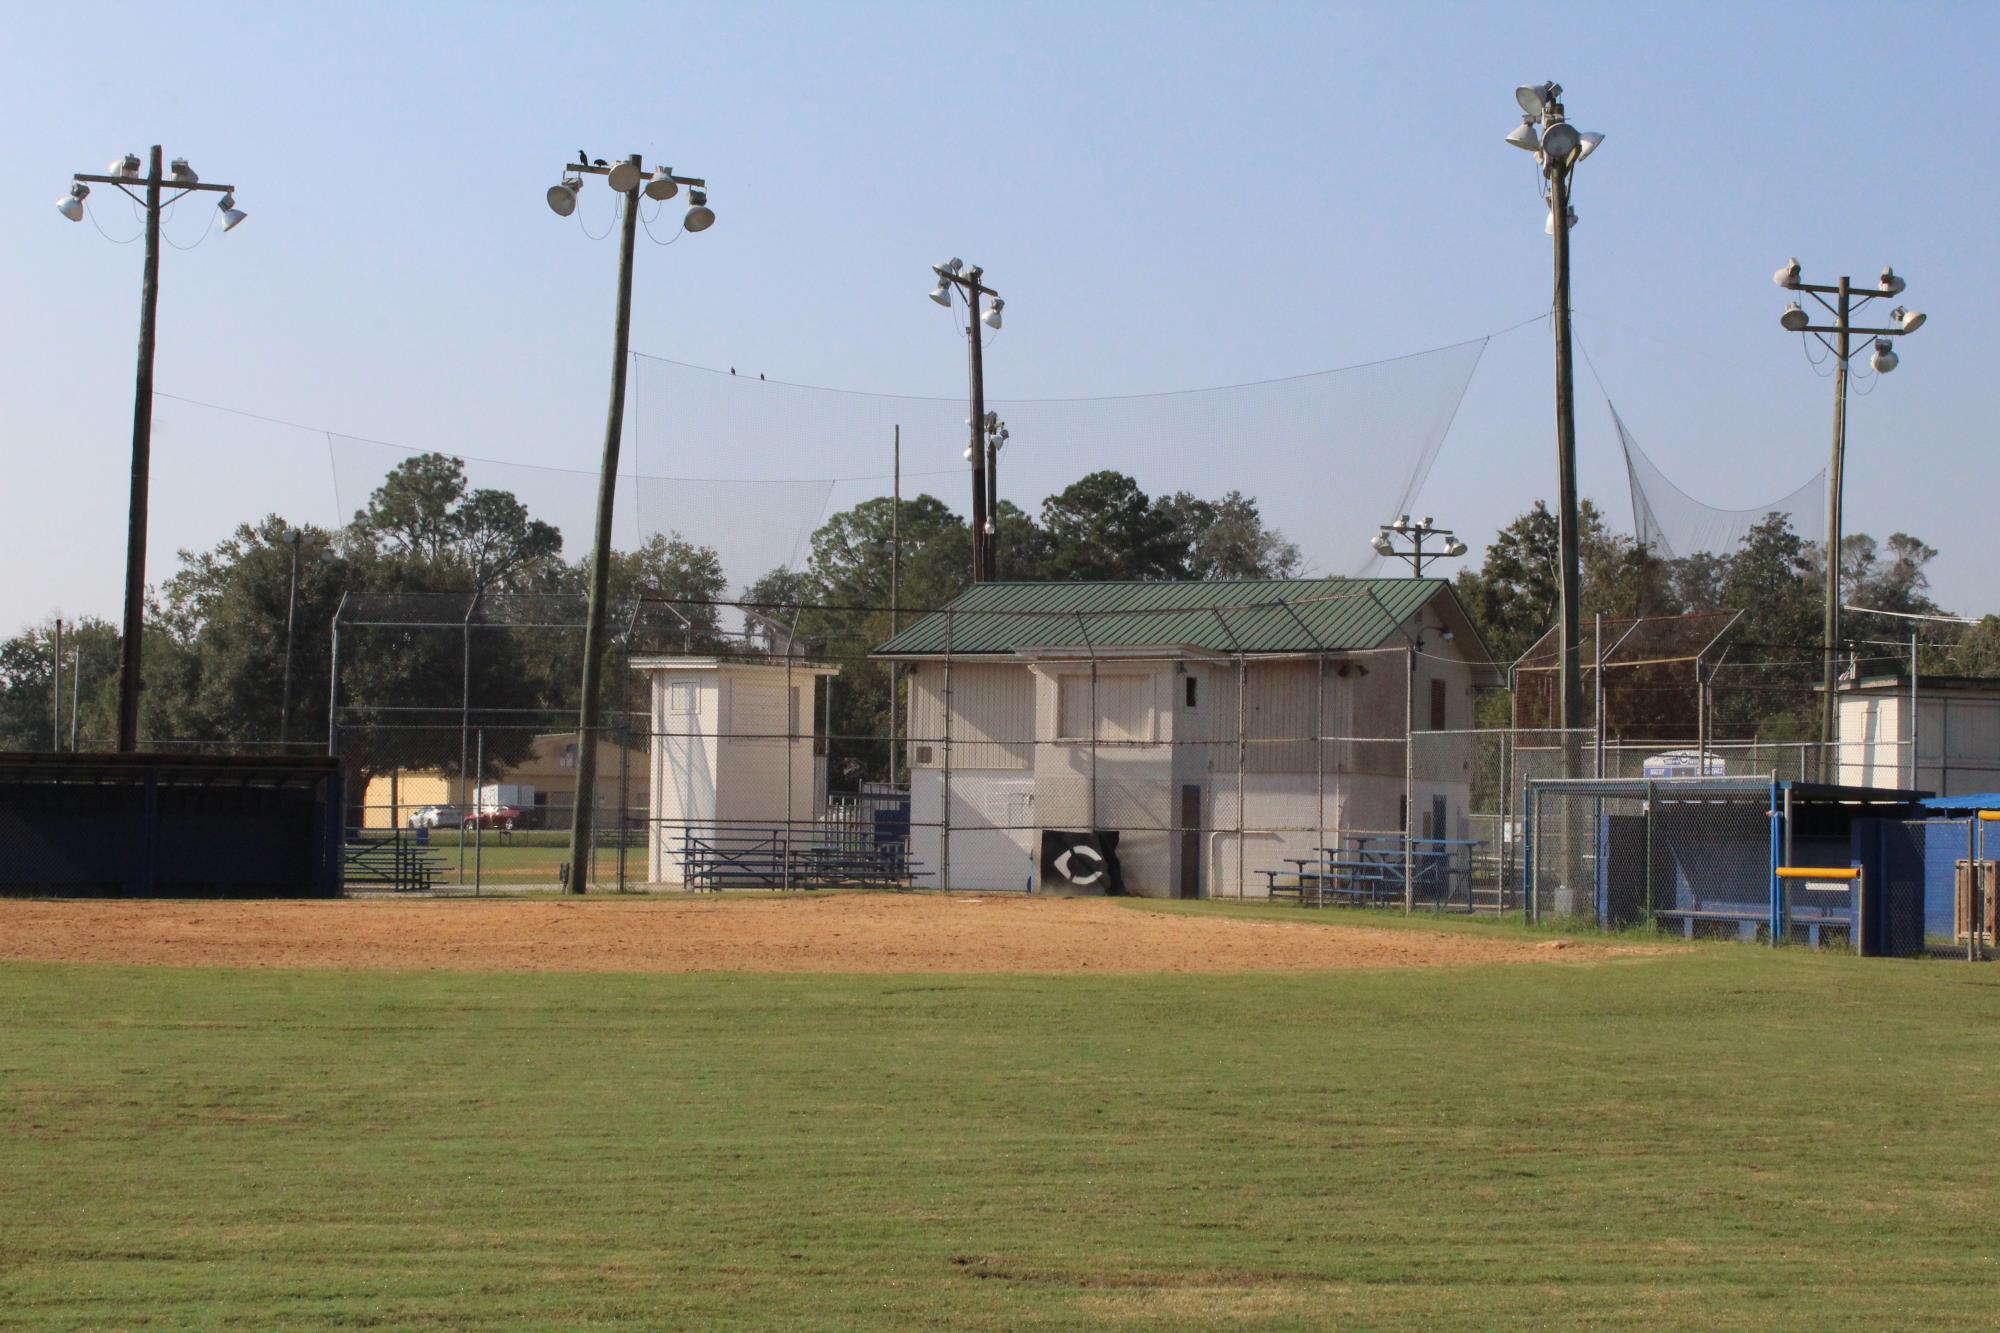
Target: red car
502 817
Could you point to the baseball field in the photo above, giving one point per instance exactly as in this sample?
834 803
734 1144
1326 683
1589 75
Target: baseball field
861 1110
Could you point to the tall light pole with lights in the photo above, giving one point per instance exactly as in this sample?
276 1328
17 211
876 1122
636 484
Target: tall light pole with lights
1558 146
954 276
146 191
1416 534
1846 299
629 179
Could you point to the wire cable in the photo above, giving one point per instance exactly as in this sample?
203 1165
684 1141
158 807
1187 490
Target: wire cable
91 213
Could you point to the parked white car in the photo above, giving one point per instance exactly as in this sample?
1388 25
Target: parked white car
1683 764
437 816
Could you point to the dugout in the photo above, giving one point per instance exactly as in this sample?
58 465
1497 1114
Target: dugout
169 826
1700 856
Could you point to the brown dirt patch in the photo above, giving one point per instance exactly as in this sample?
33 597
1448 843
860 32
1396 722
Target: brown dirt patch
833 933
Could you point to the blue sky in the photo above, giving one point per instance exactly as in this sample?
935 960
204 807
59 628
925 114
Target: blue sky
1171 196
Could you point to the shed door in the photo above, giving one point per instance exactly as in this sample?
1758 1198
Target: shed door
1190 822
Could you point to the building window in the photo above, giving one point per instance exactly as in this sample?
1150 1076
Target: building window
1437 706
1192 692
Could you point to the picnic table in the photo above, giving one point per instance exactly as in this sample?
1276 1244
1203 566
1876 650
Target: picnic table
1369 868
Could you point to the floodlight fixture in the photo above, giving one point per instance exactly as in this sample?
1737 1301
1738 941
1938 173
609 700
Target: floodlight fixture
1795 319
942 292
1891 282
700 217
991 318
231 214
126 166
1380 541
1524 136
1559 141
183 174
1590 139
662 186
1788 276
71 204
562 195
1549 224
1534 97
1454 547
952 266
1885 358
1911 320
623 177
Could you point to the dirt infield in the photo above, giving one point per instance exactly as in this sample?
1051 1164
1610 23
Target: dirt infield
833 933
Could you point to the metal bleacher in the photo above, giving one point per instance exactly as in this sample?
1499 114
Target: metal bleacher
392 860
769 859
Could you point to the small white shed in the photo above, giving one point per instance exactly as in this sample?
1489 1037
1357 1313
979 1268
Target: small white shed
737 750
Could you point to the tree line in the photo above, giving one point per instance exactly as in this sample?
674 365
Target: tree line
216 628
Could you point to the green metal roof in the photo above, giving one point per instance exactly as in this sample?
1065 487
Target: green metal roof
1219 615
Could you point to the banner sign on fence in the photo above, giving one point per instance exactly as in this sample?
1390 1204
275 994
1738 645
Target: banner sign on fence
1079 860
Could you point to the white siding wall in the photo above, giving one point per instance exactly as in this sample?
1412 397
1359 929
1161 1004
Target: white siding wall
993 715
766 751
683 778
993 835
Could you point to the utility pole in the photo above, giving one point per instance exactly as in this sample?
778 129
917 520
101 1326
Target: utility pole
895 595
182 180
1846 298
1558 147
628 180
953 275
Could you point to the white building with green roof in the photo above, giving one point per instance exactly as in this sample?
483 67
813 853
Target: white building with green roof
1218 727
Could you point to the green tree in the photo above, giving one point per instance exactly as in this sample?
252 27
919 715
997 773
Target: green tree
1228 538
1104 527
28 719
424 513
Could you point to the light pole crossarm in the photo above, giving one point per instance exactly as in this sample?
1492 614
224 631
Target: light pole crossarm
1863 333
965 280
168 181
592 170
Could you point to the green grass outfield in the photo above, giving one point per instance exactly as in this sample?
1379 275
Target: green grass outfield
1724 1138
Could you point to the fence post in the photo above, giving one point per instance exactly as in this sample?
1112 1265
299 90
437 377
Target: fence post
944 833
791 741
1242 746
1652 794
1409 779
1530 819
1319 770
479 833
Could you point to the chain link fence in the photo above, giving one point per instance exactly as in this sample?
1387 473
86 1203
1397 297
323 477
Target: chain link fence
1192 750
1766 859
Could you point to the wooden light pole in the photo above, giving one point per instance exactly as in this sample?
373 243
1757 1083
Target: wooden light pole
182 181
630 181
